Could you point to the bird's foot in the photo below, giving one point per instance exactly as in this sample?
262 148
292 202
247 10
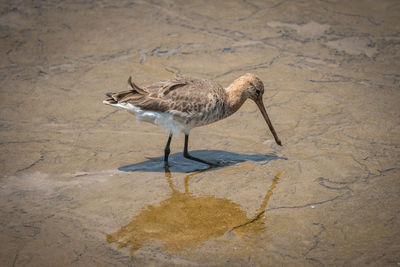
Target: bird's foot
186 155
166 166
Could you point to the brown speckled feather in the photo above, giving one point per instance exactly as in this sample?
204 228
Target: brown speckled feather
184 96
183 103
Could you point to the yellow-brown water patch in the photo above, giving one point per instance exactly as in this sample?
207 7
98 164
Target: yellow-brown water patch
185 220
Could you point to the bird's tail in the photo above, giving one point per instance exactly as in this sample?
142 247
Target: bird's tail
124 96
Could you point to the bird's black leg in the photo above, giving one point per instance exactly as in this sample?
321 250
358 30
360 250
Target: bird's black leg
167 150
186 153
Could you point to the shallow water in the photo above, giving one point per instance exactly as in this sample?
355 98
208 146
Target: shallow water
82 184
184 220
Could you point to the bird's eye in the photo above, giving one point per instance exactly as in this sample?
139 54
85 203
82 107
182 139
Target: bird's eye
258 92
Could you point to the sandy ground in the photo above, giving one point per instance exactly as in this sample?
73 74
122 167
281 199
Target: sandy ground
83 185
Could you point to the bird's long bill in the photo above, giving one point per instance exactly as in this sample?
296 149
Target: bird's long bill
260 105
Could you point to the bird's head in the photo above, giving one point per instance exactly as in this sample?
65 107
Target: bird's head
254 89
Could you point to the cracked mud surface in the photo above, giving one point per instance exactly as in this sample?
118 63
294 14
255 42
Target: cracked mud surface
78 179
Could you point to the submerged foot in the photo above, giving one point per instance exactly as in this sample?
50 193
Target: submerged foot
166 166
186 155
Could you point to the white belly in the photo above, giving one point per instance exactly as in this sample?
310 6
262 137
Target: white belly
165 120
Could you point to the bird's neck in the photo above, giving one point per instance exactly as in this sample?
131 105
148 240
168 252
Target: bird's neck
235 97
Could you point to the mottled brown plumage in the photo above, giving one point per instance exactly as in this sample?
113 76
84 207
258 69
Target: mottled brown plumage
191 101
182 103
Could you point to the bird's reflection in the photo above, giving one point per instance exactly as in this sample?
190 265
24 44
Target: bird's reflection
184 220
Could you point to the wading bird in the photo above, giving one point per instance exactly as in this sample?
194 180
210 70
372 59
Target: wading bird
183 103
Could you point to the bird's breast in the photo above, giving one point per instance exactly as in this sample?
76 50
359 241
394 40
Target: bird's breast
203 114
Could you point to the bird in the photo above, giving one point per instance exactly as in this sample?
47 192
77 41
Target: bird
183 103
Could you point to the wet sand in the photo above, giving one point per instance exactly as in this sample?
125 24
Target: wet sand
83 185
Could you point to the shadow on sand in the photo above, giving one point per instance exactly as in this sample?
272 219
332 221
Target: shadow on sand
178 163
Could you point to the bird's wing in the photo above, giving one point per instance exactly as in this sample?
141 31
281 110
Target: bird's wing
183 95
180 94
